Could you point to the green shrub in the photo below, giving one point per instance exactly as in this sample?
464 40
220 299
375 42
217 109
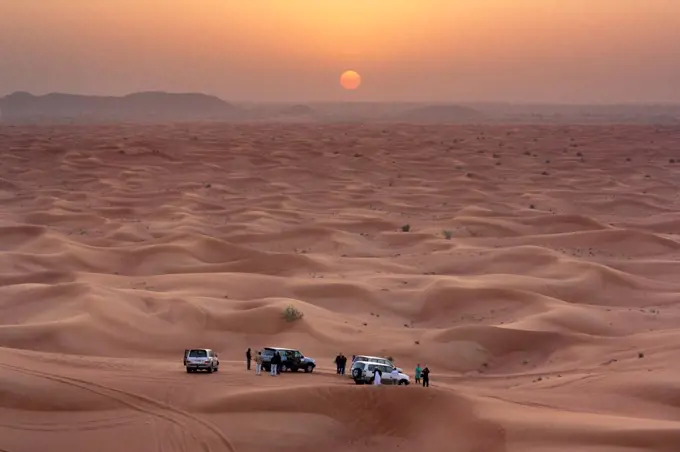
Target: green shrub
291 313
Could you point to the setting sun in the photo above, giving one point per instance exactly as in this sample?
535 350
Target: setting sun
350 80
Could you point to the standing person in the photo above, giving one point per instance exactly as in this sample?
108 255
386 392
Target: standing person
377 377
338 360
426 377
276 359
248 358
258 362
418 372
343 364
394 376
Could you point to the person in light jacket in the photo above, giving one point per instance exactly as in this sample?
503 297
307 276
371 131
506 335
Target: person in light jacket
258 363
394 376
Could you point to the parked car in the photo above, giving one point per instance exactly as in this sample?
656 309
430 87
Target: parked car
291 360
372 359
363 373
201 359
369 359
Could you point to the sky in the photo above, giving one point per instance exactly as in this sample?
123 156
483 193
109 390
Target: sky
564 51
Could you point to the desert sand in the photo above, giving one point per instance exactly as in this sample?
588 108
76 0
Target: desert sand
538 280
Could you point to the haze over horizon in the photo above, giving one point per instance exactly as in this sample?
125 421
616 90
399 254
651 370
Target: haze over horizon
567 51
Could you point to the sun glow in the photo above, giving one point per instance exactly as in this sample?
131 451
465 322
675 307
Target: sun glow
350 80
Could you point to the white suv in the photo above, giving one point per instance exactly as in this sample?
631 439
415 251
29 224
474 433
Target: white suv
372 359
201 359
363 372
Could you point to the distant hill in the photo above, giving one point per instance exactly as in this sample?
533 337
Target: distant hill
159 106
142 106
439 113
297 110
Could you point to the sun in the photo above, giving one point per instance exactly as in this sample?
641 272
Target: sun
350 80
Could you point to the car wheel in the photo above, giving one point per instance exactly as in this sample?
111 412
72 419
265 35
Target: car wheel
402 382
356 373
189 370
209 369
309 368
283 368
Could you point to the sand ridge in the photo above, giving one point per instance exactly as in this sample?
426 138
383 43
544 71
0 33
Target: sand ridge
532 268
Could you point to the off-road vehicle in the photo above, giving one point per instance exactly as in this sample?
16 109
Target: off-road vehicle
363 372
201 359
291 360
373 359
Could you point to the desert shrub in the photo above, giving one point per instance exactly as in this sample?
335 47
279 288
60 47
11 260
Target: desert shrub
406 227
447 234
291 313
390 358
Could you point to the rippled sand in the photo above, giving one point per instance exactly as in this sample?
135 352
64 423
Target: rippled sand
538 280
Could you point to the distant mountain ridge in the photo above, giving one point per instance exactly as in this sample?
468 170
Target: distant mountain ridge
141 106
161 106
440 113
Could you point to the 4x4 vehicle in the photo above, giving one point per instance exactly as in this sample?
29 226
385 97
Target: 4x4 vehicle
291 360
363 372
201 359
372 359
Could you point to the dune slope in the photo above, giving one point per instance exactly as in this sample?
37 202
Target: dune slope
533 269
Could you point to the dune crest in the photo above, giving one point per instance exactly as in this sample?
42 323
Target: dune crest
532 268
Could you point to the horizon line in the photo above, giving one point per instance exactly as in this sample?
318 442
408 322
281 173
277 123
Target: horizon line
384 102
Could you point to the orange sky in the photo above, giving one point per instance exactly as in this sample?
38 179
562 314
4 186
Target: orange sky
295 50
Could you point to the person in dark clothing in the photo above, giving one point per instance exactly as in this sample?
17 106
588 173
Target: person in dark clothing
343 364
426 376
248 358
338 363
274 363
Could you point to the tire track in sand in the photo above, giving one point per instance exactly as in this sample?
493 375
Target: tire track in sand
139 403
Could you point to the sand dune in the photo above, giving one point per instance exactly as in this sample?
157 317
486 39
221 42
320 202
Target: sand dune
532 268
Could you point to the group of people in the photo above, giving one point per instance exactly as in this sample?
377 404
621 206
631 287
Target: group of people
341 363
274 364
422 374
377 376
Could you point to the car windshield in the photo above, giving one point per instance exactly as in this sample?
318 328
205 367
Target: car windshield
198 354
